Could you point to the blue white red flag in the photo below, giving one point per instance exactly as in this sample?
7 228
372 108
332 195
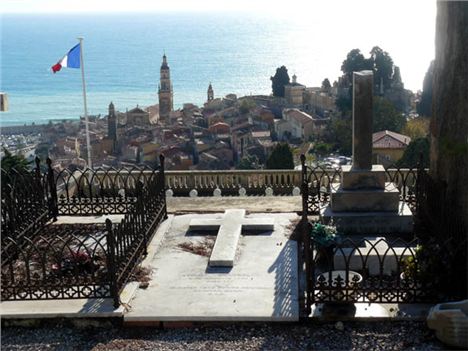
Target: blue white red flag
70 60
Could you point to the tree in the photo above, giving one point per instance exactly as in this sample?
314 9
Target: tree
326 86
342 135
382 65
322 148
246 105
354 62
281 158
279 80
11 162
425 104
449 127
413 152
417 128
386 116
17 162
248 162
344 103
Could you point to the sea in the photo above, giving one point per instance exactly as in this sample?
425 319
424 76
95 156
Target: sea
237 53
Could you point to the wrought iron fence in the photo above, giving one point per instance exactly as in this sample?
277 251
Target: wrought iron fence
129 239
99 191
80 261
24 204
382 270
61 262
430 267
316 185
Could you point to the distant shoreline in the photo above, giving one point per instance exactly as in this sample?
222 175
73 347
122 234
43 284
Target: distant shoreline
32 128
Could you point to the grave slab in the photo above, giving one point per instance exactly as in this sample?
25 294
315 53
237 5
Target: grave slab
261 286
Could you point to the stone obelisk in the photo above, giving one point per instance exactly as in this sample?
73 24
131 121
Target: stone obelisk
362 120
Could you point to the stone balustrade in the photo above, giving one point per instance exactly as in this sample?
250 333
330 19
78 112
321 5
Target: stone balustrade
231 182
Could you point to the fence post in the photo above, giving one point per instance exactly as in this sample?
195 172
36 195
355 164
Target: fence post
163 184
11 210
53 206
421 188
305 237
37 169
141 215
111 265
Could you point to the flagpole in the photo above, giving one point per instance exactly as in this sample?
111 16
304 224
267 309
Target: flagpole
88 143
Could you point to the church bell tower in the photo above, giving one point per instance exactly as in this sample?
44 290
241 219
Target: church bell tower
210 93
112 123
165 94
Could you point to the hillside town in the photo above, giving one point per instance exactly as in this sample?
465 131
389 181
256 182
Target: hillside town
218 135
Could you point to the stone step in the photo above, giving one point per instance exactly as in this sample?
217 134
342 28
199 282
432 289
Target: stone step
365 200
370 222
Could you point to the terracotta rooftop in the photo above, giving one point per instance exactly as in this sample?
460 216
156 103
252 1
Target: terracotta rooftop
388 139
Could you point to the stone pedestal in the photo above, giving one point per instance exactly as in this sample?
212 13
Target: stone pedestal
363 203
365 200
354 179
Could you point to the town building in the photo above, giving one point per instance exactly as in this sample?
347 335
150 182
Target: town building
388 147
294 92
299 124
318 101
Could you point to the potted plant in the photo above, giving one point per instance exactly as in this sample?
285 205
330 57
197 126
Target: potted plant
325 237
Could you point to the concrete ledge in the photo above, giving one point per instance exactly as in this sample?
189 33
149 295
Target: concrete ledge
87 219
154 320
158 238
70 308
369 312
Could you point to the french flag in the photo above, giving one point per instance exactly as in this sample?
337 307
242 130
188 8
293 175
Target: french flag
70 60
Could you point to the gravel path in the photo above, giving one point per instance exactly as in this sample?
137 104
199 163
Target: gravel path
353 336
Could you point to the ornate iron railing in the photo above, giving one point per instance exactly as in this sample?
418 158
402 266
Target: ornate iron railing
99 191
61 262
82 261
316 185
24 205
383 271
129 239
351 280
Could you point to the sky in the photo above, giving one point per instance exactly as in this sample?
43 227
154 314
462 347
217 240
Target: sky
425 8
404 28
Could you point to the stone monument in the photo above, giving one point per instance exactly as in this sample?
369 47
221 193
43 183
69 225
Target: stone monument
450 321
364 202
